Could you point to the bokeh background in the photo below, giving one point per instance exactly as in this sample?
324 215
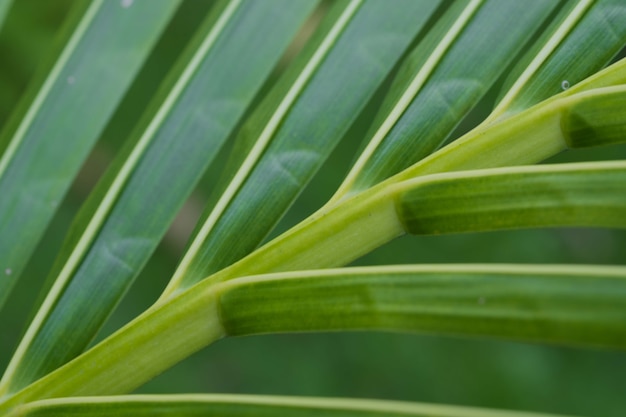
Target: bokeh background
410 367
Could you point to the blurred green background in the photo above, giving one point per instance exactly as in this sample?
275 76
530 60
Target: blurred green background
377 365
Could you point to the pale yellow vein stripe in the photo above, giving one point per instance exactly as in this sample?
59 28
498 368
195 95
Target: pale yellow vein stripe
339 406
263 141
405 100
117 186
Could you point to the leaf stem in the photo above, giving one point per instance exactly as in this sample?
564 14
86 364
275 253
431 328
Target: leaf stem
153 342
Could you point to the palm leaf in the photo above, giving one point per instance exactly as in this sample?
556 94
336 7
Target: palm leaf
397 186
443 79
589 29
54 128
553 304
114 235
556 58
280 157
584 194
572 306
538 133
342 233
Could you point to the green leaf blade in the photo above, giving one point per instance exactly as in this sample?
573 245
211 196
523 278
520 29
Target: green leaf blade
180 133
583 194
369 219
262 187
125 217
560 304
567 305
44 151
537 133
442 81
598 120
592 30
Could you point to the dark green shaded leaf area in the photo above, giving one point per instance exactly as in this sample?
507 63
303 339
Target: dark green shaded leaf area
598 120
592 195
562 306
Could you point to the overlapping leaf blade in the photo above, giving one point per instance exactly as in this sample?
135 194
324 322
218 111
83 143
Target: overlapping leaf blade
295 128
597 120
556 57
550 304
353 227
226 405
584 194
539 132
59 120
443 79
128 213
592 30
565 305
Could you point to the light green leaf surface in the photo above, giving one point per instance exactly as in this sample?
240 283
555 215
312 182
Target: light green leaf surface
572 305
441 81
128 213
156 340
585 37
226 405
52 131
535 134
5 5
584 194
296 127
181 132
341 233
565 305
